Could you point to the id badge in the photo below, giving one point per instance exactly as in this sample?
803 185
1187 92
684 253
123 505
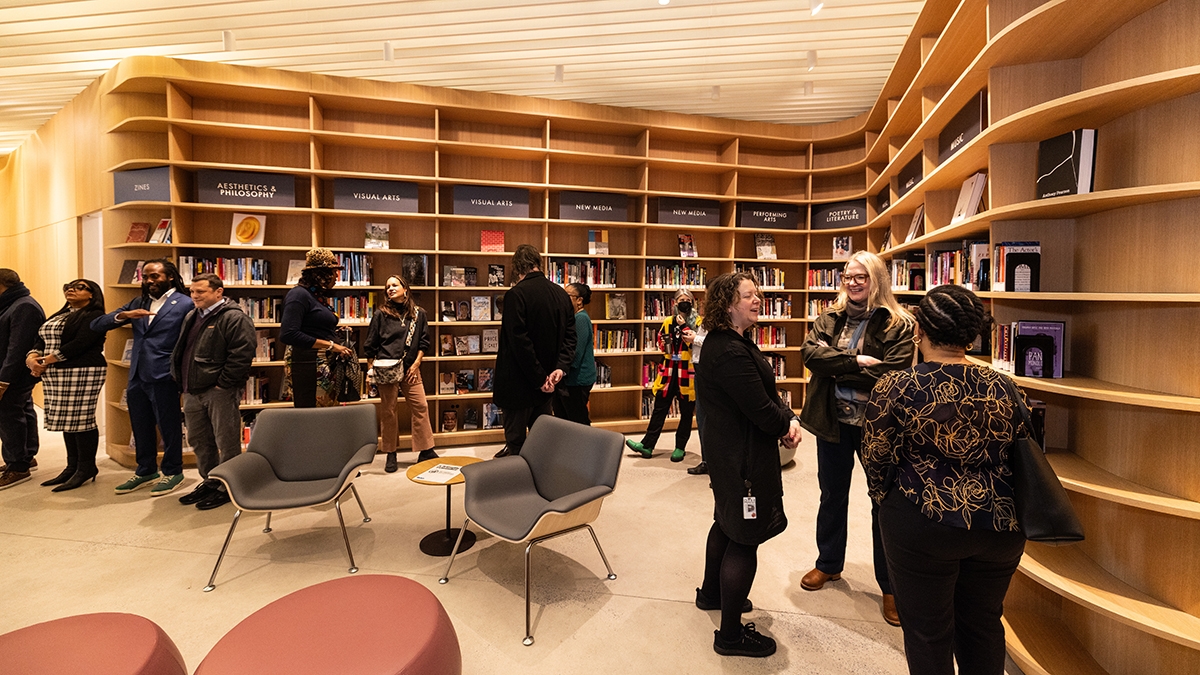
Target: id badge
749 510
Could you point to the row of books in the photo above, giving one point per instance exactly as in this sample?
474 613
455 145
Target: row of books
265 346
603 376
596 273
660 275
147 233
817 306
353 307
255 391
778 364
769 337
826 279
908 271
648 407
487 342
480 308
1030 348
767 277
491 417
775 306
262 310
453 276
232 271
966 266
356 269
465 381
615 340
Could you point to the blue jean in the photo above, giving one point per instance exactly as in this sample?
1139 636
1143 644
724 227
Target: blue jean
156 404
835 468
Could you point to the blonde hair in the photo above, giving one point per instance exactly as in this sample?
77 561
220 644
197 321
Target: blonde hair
880 294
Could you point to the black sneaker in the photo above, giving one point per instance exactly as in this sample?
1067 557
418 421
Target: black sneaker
752 643
706 603
427 455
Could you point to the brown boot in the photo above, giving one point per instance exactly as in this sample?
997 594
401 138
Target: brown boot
890 614
814 580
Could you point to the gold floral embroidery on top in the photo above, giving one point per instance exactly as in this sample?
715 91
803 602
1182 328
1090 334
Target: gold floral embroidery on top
944 430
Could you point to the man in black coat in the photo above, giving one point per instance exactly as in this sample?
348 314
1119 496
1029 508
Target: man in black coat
20 318
537 345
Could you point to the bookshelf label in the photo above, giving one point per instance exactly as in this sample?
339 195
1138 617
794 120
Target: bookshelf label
142 185
604 206
681 211
374 195
839 214
965 125
883 199
909 176
245 188
487 200
767 214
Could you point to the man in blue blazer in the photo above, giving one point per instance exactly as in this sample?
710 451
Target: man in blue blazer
156 317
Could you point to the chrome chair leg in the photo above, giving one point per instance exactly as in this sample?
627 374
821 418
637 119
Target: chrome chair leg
454 552
337 506
528 632
366 518
267 529
213 579
603 557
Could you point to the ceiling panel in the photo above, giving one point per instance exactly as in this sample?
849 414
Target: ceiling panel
635 53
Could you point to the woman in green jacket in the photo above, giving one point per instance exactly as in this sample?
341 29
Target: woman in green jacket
571 399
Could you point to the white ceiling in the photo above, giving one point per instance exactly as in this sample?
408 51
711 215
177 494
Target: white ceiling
634 53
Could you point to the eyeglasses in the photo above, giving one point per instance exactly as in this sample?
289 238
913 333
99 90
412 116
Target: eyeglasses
80 286
859 279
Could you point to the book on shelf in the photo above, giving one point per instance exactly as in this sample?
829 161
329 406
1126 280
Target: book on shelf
473 344
842 247
764 246
489 342
493 418
491 241
977 276
970 196
495 275
470 419
127 352
461 345
449 311
139 233
603 376
446 345
264 346
481 308
1038 348
446 382
463 311
247 229
464 381
916 227
598 242
615 307
1018 267
483 379
687 246
162 232
498 307
295 269
454 276
450 419
376 235
131 272
413 267
885 244
1066 164
470 276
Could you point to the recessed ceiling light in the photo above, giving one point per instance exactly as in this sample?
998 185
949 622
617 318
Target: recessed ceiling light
812 59
716 92
815 6
664 2
558 73
389 52
227 41
808 88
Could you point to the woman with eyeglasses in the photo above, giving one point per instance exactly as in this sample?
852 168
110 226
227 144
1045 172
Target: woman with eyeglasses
862 336
69 357
571 399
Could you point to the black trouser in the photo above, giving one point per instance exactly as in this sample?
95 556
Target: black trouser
517 421
18 428
835 469
662 405
950 585
155 405
571 403
304 378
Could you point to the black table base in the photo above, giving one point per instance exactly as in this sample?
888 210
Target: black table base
441 543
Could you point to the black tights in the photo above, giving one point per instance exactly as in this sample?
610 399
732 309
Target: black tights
81 446
729 569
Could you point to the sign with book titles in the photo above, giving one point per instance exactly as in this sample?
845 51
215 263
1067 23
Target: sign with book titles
768 214
682 211
487 200
964 126
142 185
605 206
246 188
839 214
374 195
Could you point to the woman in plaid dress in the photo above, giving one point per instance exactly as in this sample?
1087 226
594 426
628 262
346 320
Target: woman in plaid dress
69 357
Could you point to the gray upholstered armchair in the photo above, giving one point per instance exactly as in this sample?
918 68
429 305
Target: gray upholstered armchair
555 486
299 458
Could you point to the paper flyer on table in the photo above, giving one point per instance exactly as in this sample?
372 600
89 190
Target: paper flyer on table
442 473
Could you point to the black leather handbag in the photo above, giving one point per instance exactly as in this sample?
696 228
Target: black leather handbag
1044 511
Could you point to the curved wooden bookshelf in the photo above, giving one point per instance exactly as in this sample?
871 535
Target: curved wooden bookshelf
1098 390
1042 645
1079 475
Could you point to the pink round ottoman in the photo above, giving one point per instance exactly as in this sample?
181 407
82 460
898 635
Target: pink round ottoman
96 644
365 625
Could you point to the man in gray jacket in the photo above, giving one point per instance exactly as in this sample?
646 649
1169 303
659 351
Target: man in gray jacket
211 363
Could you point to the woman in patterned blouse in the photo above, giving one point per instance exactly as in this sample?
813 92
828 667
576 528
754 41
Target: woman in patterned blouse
935 445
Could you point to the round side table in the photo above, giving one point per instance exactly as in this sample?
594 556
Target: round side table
441 543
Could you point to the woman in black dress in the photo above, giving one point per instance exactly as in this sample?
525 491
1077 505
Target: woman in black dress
308 329
745 422
69 357
935 446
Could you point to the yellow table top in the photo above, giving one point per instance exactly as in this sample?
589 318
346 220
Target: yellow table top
421 467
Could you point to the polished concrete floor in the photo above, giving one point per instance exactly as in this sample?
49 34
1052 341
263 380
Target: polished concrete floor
90 550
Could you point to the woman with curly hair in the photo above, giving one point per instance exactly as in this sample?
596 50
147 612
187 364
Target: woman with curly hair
864 334
936 442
